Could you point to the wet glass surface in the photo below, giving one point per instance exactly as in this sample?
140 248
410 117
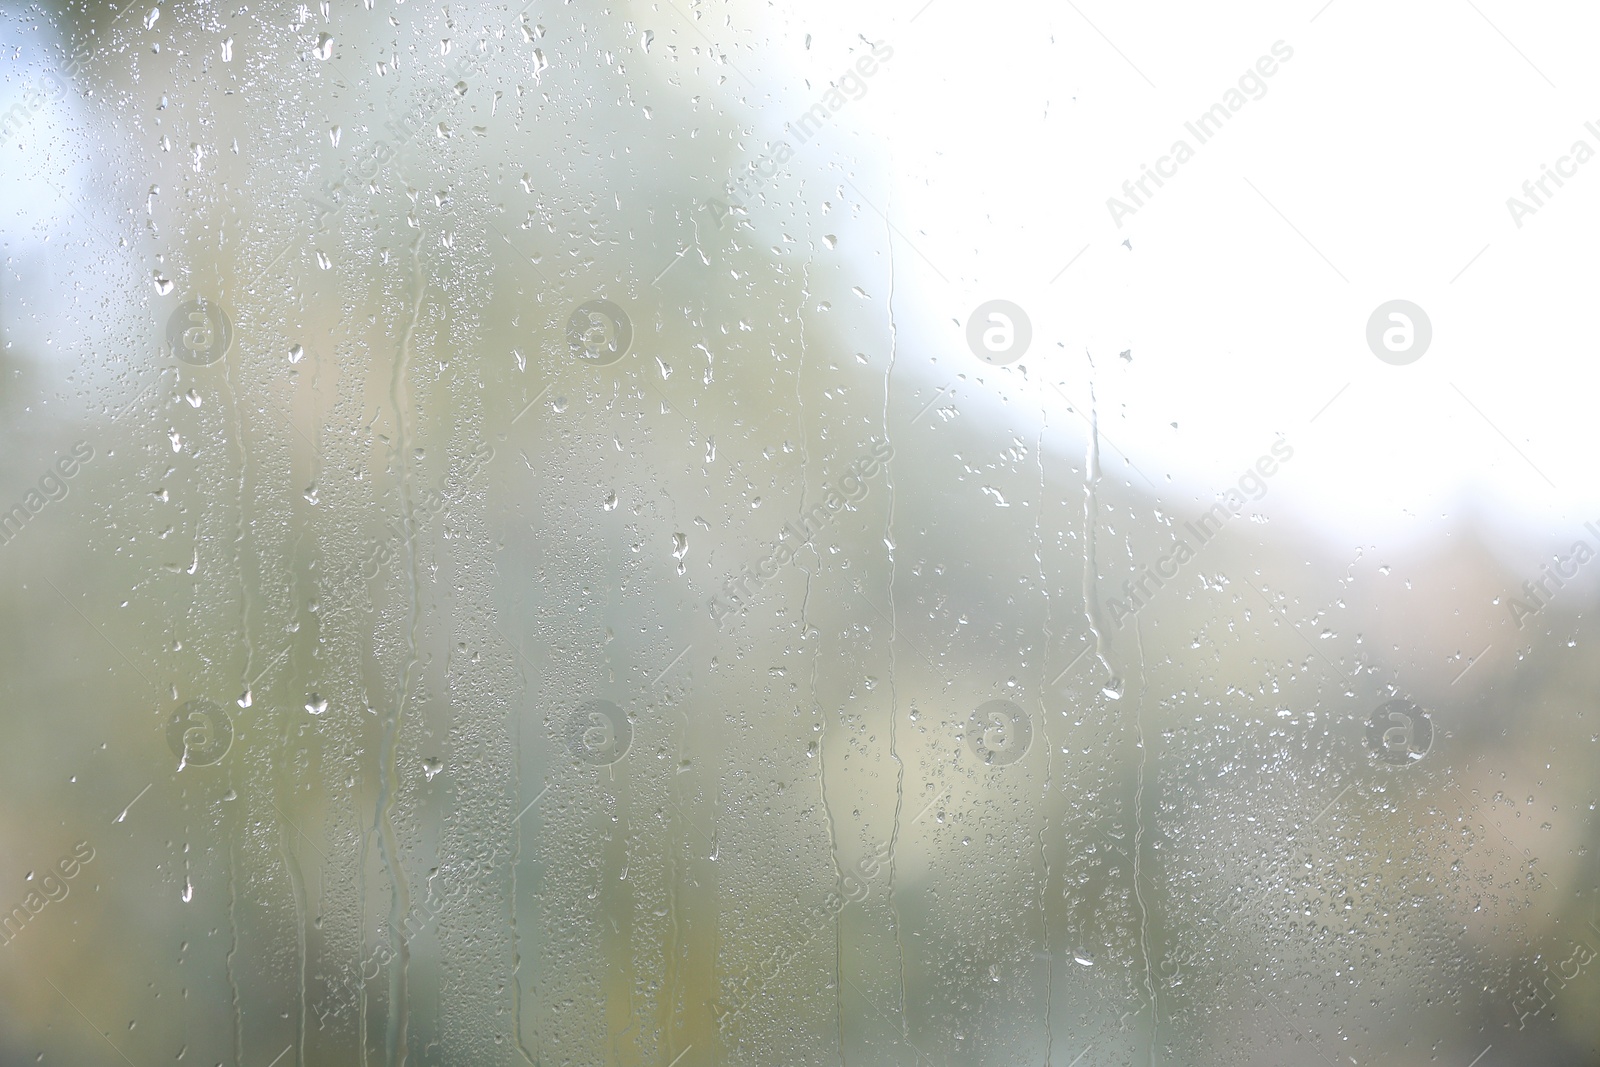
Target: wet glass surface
727 533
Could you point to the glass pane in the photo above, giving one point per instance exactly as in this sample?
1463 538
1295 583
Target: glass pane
725 533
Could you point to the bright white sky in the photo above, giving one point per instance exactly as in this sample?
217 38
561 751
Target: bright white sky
1390 142
1377 166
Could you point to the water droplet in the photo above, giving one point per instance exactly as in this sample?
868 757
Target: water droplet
150 21
323 261
334 135
610 502
649 36
324 48
296 353
188 891
830 240
1113 689
177 440
193 397
227 50
316 705
680 545
431 765
244 698
559 404
163 285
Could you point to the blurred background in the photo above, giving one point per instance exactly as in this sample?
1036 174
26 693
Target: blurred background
695 533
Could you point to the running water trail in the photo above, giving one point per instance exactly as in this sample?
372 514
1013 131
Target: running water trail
245 586
1113 690
395 1033
805 635
1138 848
1091 578
894 624
1044 736
228 960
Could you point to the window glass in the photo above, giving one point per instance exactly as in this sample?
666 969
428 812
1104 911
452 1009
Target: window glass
707 532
